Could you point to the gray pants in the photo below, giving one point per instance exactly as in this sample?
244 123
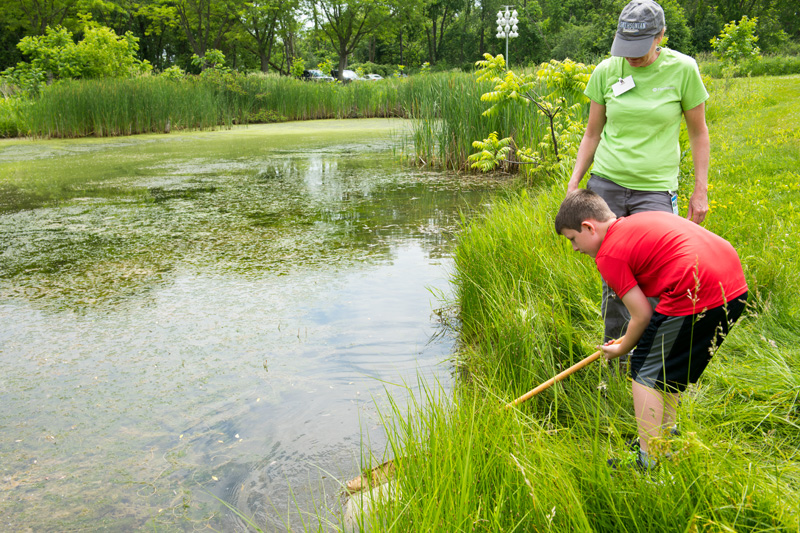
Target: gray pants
624 202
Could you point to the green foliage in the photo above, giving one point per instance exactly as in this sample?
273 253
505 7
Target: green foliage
490 68
100 54
737 42
212 60
556 89
492 152
298 66
54 53
173 73
566 78
11 111
326 66
24 80
104 54
373 68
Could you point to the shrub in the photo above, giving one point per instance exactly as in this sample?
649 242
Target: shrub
100 54
173 73
737 42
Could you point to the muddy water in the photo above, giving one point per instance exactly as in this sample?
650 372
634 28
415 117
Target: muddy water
193 319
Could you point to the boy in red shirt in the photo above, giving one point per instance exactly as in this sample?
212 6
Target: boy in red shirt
698 279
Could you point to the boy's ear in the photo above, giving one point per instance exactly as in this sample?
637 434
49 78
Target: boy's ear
590 225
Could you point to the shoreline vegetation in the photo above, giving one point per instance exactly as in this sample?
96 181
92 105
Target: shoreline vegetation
526 306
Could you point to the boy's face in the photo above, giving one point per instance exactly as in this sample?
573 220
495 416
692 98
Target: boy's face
587 241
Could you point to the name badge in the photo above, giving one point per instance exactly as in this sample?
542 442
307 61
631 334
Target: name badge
623 85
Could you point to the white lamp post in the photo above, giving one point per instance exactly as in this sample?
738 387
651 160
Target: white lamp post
507 26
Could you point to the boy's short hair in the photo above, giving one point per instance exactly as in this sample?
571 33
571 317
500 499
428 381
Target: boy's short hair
580 205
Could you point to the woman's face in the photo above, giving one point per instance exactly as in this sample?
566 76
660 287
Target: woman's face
651 56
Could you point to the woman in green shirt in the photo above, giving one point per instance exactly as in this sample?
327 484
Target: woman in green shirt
638 98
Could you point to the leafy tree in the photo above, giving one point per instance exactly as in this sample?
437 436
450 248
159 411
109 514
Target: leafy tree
347 22
737 41
705 24
35 16
440 14
492 152
206 23
259 25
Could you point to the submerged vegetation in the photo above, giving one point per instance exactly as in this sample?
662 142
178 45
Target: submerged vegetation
528 307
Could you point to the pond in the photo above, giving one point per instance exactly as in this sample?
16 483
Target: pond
213 317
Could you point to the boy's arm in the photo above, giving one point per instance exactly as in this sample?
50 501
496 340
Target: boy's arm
641 311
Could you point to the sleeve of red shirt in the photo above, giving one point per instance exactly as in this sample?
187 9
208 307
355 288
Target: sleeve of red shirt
617 274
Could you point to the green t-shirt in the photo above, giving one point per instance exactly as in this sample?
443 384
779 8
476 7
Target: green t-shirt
639 146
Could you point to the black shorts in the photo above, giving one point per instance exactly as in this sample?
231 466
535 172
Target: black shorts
675 350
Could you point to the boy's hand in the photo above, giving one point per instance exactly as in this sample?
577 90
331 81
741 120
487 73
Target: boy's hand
612 350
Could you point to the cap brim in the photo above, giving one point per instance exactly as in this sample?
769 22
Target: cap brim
623 47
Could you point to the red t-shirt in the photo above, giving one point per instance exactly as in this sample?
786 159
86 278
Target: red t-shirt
684 265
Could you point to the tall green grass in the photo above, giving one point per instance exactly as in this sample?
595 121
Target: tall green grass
75 108
78 108
529 307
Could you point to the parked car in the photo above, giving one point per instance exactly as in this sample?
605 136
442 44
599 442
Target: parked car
347 76
315 75
373 77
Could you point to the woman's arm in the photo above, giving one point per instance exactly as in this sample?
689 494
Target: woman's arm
640 309
701 155
591 138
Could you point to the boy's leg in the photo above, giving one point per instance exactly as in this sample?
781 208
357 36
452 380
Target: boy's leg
673 352
648 405
655 414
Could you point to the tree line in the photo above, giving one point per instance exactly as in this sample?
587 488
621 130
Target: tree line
283 36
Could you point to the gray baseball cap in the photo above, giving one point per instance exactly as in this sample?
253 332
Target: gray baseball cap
639 23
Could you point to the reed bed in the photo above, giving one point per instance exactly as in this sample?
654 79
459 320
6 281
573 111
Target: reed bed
111 107
528 307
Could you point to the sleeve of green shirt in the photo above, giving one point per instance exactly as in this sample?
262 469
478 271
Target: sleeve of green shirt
694 92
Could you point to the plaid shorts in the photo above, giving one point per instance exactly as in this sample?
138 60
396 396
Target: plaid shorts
675 350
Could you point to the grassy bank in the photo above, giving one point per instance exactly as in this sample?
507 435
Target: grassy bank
529 307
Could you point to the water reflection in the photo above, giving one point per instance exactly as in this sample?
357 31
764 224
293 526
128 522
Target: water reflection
178 327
